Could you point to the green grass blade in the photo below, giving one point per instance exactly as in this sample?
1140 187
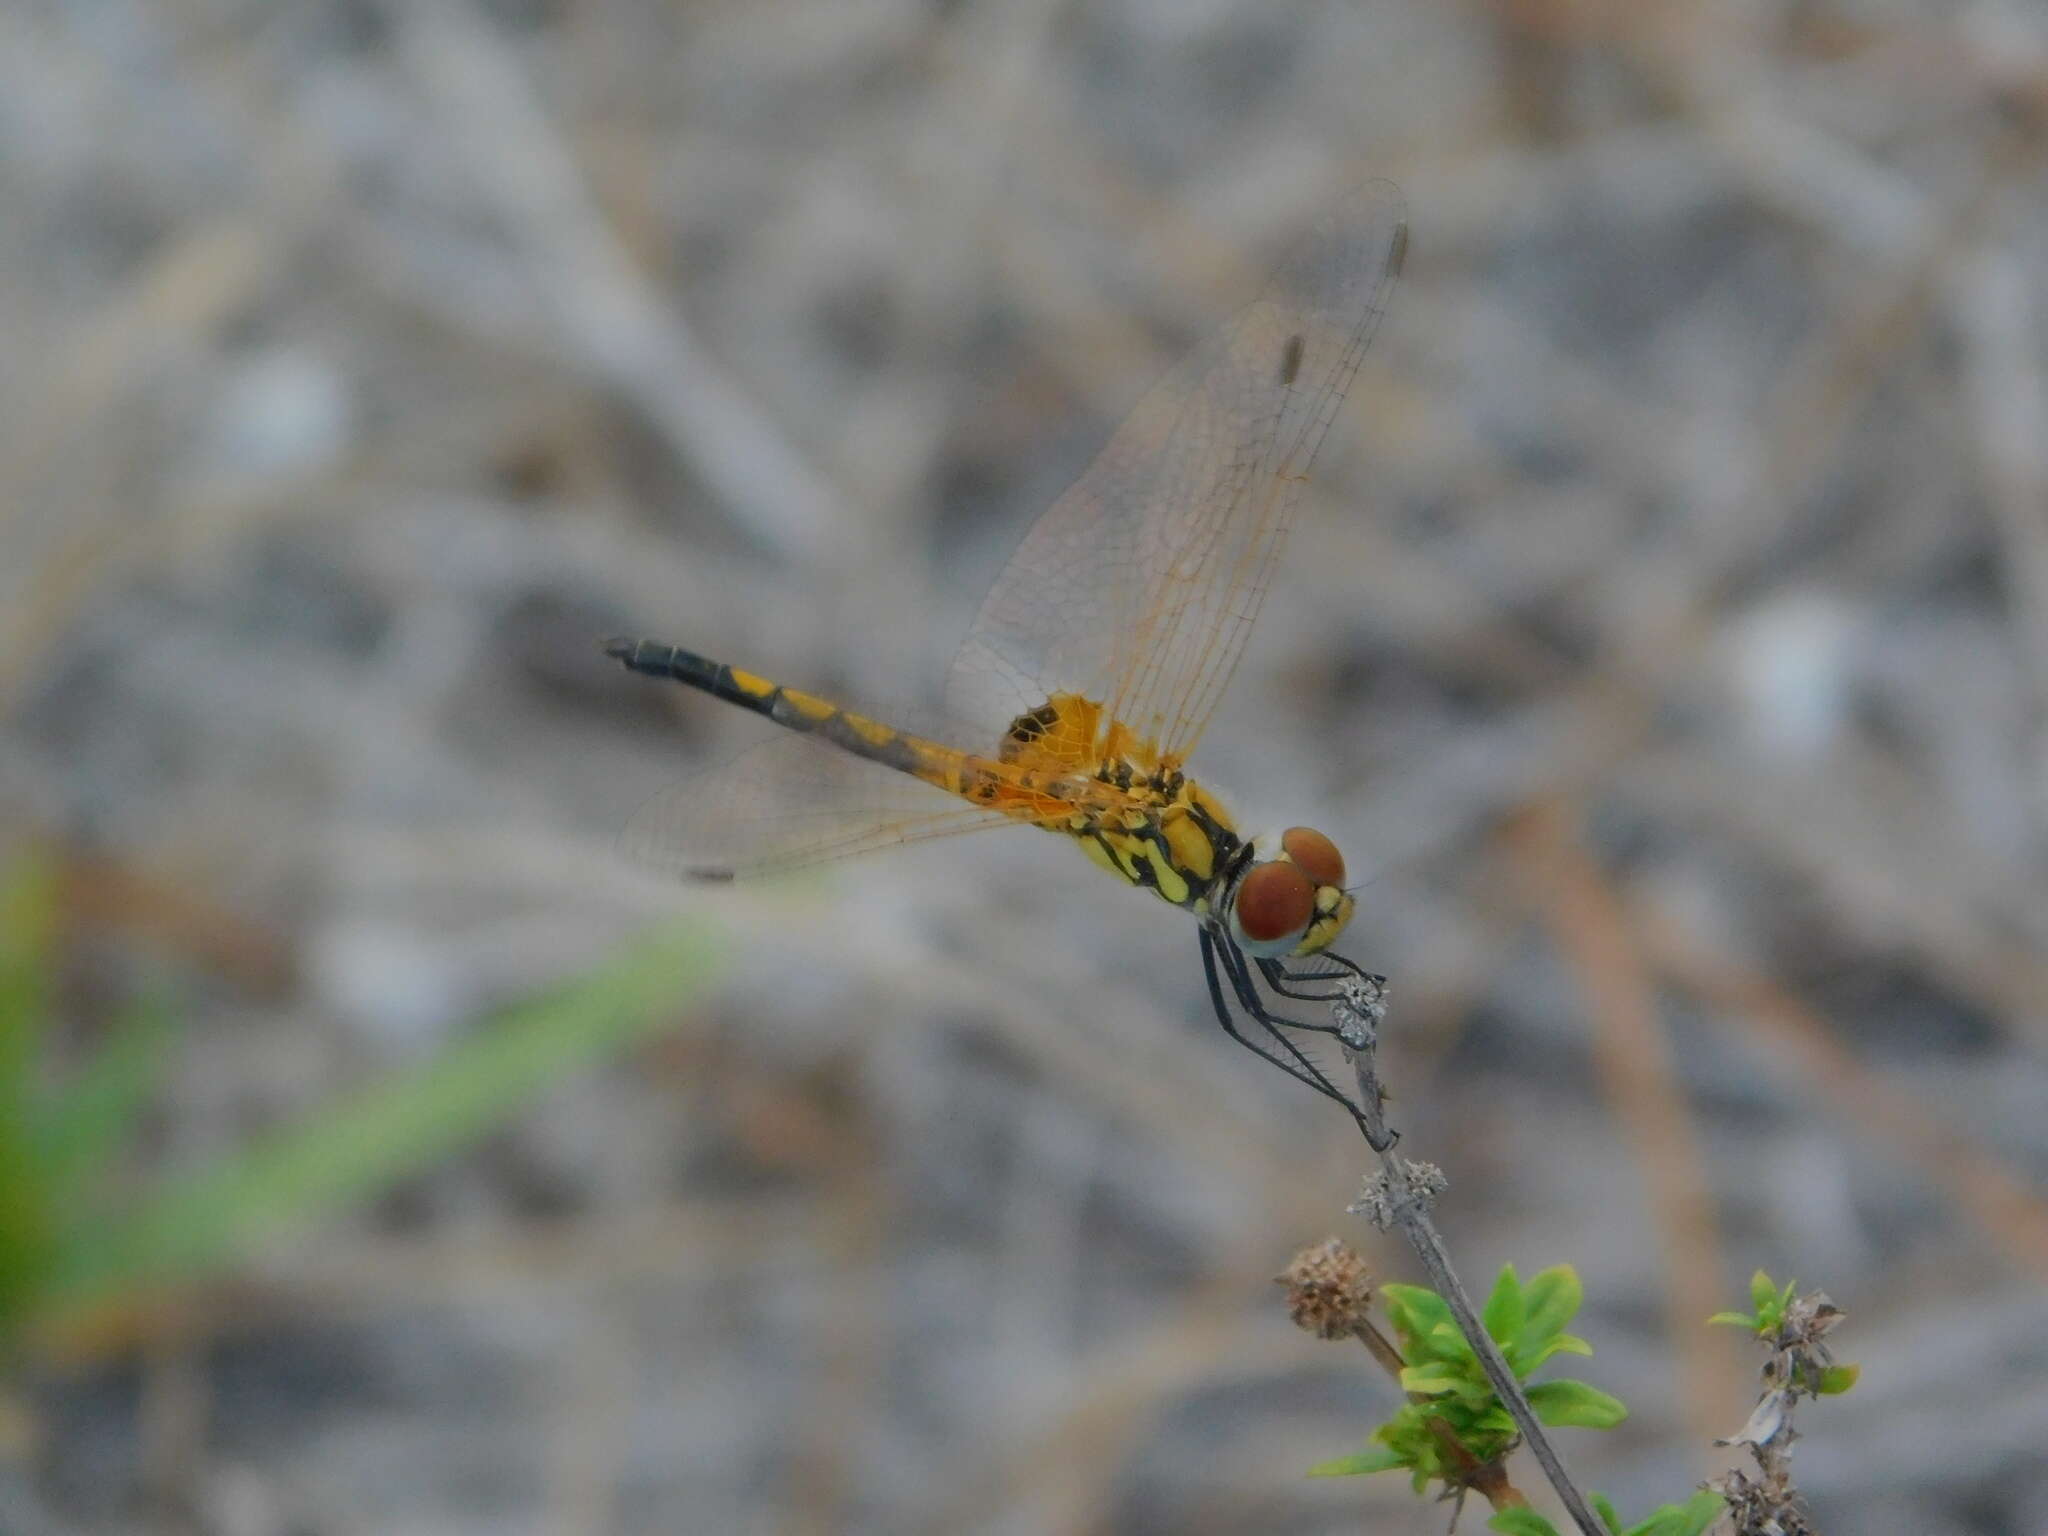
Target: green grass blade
28 895
386 1132
81 1125
28 935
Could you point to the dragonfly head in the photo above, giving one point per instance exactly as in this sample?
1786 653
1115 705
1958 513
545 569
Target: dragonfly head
1294 903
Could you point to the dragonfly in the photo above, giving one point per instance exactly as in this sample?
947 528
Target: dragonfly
1095 663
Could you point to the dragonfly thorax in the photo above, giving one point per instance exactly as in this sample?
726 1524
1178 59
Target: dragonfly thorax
1137 814
1070 733
1130 807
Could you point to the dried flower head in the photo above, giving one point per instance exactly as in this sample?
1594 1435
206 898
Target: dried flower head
1765 1505
1329 1290
1802 1358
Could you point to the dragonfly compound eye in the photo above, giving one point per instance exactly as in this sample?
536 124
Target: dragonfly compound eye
1275 902
1314 855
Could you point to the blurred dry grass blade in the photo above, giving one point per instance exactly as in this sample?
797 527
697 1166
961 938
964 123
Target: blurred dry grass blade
624 330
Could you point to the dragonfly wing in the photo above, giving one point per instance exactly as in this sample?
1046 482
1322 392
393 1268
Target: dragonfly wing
788 804
1140 585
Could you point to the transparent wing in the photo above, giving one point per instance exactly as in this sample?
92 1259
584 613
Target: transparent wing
1139 586
786 804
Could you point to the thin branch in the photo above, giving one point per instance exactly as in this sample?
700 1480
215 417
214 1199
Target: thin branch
1402 1197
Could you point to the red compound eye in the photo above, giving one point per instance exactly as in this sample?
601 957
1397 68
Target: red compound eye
1315 854
1274 901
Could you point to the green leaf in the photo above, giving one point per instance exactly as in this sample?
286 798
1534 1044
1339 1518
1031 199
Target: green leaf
1447 1344
1577 1404
1503 1314
1604 1507
1441 1345
1688 1519
1431 1380
1735 1320
1701 1511
1762 1292
1561 1344
388 1131
1837 1379
1407 1431
1552 1299
1494 1419
1521 1522
1414 1310
1376 1459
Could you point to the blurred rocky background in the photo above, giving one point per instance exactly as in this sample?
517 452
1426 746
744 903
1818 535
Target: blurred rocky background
1665 639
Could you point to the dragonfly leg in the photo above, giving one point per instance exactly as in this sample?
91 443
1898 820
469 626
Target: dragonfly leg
1219 953
1282 979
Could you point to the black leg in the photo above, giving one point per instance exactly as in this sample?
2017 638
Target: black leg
1212 957
1219 952
1328 988
1234 963
1276 978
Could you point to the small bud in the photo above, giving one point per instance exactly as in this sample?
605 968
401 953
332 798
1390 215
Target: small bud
1329 1290
1378 1203
1360 1010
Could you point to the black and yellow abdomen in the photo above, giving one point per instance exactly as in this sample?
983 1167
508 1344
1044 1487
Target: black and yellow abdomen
785 706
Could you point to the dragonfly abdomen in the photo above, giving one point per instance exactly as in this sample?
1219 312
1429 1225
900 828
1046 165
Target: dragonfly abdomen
789 707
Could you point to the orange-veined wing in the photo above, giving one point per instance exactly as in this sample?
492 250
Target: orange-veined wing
1139 586
789 803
